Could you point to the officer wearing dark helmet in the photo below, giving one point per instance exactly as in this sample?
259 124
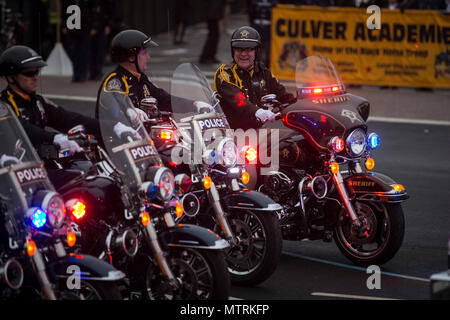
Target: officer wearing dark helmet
20 65
129 49
241 84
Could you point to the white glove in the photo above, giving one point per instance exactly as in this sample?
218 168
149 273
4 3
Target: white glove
120 129
203 105
65 144
4 159
136 113
265 115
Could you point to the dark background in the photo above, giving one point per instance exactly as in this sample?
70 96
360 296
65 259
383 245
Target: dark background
150 16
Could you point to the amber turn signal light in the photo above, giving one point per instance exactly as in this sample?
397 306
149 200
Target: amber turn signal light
31 248
207 182
179 210
71 239
370 163
334 167
145 219
398 187
245 178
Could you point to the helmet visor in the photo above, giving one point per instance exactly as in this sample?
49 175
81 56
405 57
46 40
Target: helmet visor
247 43
149 43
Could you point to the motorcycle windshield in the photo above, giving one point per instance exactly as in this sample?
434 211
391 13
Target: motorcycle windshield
323 110
196 107
316 72
188 86
21 171
192 96
125 138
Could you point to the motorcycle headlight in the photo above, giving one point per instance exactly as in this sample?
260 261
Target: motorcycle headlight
228 152
53 204
164 180
356 143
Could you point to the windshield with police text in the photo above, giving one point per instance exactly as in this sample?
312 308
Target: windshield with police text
21 171
125 137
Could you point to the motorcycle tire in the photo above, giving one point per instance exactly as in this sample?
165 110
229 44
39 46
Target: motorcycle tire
259 237
201 273
91 290
384 222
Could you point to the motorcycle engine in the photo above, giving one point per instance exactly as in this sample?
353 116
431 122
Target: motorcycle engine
277 186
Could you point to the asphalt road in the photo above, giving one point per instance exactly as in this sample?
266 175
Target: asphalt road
414 155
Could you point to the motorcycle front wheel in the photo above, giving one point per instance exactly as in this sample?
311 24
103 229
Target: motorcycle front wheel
201 274
90 290
255 256
378 239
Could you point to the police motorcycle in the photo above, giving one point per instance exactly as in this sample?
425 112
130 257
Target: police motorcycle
196 140
326 181
35 228
127 204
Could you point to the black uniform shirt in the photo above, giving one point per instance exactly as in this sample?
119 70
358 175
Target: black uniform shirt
240 92
35 112
137 88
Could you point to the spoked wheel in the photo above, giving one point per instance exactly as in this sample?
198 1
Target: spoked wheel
200 275
99 290
255 256
378 239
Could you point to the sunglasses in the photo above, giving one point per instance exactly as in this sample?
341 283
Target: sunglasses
30 74
244 49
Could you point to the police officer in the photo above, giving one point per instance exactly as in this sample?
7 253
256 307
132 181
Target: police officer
242 84
129 48
20 65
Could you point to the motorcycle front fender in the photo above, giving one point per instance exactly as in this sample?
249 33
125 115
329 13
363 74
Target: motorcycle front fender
249 200
89 268
193 236
374 186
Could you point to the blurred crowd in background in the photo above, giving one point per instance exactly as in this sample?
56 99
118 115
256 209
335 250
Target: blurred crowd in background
32 23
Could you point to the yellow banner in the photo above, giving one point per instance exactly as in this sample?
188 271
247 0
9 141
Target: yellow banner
410 48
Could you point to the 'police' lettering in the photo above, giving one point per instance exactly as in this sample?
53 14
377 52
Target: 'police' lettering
142 152
212 123
29 175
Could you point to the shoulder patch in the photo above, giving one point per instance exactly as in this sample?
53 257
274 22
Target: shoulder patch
225 74
115 84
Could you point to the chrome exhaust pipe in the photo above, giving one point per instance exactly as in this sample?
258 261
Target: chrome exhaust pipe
12 274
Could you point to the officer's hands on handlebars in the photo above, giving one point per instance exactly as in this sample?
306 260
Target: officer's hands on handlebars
203 107
135 113
6 160
265 115
122 130
64 143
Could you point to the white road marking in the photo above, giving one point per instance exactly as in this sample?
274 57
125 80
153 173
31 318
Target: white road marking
348 296
172 52
411 121
343 265
71 98
374 119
